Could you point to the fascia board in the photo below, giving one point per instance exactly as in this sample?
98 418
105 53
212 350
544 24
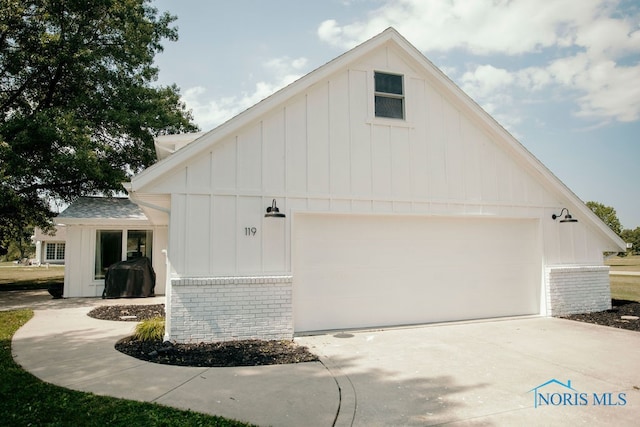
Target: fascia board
107 222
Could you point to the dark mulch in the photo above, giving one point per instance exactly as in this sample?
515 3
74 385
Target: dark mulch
128 313
219 354
613 317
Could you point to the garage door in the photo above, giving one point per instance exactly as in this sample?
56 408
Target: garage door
353 271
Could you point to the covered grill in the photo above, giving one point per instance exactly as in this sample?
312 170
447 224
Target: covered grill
130 279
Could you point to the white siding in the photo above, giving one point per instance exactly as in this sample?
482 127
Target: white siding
273 164
249 168
323 151
80 252
339 146
318 152
223 240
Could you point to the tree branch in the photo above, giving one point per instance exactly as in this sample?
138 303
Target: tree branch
50 186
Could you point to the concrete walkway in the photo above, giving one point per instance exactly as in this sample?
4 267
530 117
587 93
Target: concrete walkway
624 273
473 373
63 346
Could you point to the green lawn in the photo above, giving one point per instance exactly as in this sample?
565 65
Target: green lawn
14 276
28 401
627 263
625 287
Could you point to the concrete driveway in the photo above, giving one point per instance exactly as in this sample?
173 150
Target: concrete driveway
473 373
482 373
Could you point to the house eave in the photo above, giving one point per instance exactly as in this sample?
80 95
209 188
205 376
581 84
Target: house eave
106 222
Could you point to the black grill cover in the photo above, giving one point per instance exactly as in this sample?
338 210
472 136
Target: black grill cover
130 279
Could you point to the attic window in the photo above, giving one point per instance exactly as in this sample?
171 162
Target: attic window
389 95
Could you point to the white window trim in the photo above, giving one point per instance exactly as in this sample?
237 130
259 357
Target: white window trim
123 249
402 96
372 119
55 251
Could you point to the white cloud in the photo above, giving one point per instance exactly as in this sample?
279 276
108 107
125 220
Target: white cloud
479 26
209 114
285 65
594 47
533 78
485 80
611 91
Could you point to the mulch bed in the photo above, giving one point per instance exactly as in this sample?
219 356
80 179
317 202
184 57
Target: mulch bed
218 354
127 313
263 352
613 317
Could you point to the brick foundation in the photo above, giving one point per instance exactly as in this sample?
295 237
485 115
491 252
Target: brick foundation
577 289
231 308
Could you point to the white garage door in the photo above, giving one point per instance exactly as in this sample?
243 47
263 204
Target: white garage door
352 271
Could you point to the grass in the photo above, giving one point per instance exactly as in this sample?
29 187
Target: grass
625 287
627 263
14 277
29 401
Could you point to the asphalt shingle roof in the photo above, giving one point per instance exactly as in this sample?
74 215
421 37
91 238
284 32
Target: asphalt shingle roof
103 208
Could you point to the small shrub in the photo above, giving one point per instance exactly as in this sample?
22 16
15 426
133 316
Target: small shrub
150 329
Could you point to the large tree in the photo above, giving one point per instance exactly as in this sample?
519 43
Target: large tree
78 105
607 214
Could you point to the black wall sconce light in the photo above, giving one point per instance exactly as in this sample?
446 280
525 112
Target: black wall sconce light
273 211
567 217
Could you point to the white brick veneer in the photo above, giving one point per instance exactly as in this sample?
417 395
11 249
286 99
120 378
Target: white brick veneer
231 308
577 289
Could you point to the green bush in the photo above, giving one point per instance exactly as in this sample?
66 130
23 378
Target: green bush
150 329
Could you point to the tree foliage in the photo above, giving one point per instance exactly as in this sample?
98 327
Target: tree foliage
607 214
19 248
633 237
78 108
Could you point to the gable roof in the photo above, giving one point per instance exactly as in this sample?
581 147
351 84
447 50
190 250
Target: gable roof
101 210
166 145
456 95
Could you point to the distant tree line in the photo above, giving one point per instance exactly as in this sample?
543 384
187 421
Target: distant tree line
608 215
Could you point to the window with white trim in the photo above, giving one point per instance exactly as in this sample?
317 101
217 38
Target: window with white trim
389 95
108 250
117 245
54 251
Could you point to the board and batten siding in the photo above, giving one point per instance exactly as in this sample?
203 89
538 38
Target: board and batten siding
79 273
324 151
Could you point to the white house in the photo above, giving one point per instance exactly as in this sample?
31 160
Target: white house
50 247
101 231
404 203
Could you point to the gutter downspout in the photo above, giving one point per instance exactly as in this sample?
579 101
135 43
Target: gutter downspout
167 298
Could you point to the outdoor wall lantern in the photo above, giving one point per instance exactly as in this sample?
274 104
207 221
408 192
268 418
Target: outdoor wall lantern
567 217
273 211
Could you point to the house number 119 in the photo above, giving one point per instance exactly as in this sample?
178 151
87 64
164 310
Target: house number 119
250 231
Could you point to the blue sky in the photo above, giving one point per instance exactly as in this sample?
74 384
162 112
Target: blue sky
562 76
